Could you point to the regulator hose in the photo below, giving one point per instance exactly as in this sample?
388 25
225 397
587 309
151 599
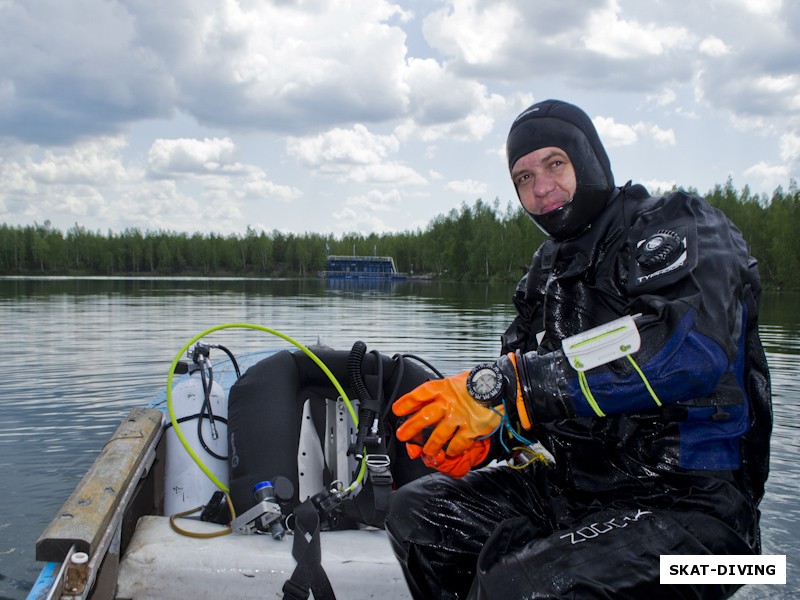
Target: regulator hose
205 409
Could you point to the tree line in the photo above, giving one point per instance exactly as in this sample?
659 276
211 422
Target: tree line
481 242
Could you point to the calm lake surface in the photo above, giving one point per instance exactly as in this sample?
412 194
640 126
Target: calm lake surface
78 354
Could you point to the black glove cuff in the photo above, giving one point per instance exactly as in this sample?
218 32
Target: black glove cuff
543 382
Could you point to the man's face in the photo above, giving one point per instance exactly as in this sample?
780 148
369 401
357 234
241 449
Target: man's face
545 180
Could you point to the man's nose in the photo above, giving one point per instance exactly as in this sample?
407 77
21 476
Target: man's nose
544 184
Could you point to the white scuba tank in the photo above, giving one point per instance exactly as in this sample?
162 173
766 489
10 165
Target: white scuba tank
186 486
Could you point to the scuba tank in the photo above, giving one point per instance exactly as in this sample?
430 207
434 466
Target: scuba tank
200 405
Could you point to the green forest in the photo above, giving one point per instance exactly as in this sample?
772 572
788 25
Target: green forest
481 242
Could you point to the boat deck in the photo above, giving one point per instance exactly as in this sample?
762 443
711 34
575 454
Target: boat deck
160 563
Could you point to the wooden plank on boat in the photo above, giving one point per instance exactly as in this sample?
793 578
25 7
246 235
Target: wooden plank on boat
88 512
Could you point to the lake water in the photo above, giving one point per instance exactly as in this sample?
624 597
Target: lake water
79 353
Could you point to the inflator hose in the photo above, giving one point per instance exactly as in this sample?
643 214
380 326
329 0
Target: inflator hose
354 361
366 413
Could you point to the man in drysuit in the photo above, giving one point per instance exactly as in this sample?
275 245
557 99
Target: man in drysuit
634 361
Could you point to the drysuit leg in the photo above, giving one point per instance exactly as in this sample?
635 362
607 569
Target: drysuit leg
438 525
614 553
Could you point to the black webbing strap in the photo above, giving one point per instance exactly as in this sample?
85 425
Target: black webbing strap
308 574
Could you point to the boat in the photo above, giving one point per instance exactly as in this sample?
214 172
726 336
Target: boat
380 268
254 476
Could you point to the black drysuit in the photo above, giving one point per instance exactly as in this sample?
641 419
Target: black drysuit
680 470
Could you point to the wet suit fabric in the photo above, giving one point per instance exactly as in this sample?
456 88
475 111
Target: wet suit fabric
682 477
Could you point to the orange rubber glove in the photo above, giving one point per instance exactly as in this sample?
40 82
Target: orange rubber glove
455 467
445 404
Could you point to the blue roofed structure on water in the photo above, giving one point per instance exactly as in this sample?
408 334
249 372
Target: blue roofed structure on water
361 267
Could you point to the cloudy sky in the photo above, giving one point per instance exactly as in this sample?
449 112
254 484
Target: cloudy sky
337 116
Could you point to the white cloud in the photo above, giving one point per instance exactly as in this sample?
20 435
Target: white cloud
74 70
161 205
350 220
215 114
790 146
609 35
658 186
190 155
223 181
614 134
770 176
778 84
468 187
763 8
473 30
442 105
376 200
261 187
713 46
79 201
296 65
338 147
388 173
355 154
89 162
662 137
39 185
15 179
750 123
91 182
663 97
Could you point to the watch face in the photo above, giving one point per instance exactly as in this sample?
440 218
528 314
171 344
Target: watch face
485 383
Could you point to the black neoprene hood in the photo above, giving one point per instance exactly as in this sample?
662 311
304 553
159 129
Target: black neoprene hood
563 125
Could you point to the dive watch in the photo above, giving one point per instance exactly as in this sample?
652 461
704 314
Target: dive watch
485 383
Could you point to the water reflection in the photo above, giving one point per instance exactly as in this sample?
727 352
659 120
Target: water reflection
79 353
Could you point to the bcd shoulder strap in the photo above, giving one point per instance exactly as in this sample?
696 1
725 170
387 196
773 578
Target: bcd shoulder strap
308 575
